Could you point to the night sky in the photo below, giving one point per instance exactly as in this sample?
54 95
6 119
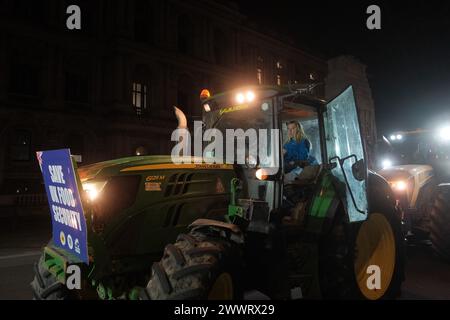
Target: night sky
408 59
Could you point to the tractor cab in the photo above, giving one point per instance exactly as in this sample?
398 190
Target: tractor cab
267 171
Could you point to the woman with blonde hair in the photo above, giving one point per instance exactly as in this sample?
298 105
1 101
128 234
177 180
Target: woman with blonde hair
296 150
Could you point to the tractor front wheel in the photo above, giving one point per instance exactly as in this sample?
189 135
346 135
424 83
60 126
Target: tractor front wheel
197 266
45 286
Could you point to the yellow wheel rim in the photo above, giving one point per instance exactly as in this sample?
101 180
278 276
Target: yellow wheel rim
222 288
375 250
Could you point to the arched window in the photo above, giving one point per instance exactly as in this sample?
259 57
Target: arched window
141 90
185 34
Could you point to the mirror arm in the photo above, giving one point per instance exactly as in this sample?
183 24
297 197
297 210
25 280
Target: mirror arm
341 163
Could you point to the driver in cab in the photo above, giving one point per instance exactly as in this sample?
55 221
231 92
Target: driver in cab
296 152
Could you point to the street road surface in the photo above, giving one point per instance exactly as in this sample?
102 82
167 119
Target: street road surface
427 277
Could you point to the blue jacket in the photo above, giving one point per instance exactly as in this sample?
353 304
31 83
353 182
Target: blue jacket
297 151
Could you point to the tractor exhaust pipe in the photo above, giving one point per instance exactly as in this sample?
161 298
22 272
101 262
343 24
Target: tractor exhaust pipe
181 117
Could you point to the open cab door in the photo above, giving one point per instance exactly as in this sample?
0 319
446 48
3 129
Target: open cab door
345 149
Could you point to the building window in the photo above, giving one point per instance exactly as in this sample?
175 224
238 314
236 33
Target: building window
259 75
260 70
279 68
20 145
141 90
140 96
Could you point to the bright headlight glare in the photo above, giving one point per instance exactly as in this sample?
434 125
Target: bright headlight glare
399 185
240 98
93 189
250 96
261 174
386 163
444 133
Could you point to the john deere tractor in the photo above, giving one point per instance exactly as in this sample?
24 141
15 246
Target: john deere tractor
330 230
225 227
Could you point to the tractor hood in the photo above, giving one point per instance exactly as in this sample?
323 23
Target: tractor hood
142 163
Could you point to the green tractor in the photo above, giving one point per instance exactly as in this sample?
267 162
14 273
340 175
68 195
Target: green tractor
326 232
332 231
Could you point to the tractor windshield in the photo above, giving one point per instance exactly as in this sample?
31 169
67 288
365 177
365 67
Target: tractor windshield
246 129
250 140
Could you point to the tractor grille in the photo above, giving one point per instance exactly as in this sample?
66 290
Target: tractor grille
178 184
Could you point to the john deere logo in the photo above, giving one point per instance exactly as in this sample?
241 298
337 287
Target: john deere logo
62 238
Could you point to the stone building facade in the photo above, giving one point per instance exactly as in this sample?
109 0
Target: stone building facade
107 90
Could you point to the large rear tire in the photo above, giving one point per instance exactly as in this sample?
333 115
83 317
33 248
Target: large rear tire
199 265
440 222
45 286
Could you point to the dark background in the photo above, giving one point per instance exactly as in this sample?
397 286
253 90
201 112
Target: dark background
408 59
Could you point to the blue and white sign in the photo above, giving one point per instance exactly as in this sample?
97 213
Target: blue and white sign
68 222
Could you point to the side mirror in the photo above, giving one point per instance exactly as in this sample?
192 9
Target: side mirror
359 170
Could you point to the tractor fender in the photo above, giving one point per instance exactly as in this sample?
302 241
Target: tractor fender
232 231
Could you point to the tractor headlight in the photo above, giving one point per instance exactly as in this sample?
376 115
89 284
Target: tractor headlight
93 189
261 174
386 163
400 185
444 133
242 97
